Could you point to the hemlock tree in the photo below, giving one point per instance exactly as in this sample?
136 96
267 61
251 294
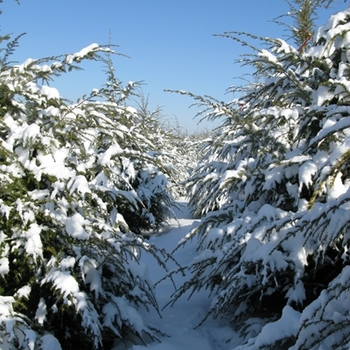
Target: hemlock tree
273 245
73 178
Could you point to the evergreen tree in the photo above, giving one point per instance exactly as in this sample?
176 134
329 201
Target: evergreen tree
74 179
304 15
273 244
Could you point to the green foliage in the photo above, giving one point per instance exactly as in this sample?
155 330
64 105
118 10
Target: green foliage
273 193
304 14
75 179
11 46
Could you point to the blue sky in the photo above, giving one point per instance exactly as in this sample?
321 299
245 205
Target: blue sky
170 43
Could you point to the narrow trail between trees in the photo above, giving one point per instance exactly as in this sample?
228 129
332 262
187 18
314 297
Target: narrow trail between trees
179 321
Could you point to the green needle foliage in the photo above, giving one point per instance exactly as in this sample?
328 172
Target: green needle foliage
78 182
273 192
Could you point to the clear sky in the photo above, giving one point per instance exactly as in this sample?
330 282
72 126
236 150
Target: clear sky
170 43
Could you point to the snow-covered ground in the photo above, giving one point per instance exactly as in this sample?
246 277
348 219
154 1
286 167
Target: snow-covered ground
179 321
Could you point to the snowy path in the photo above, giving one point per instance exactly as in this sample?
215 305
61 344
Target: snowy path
180 320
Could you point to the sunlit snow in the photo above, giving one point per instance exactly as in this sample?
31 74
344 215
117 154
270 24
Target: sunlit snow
180 320
74 227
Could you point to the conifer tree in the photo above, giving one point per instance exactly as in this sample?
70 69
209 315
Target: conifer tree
304 15
72 175
273 244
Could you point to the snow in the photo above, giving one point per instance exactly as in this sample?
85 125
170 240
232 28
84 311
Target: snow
63 281
74 227
285 327
23 292
4 266
54 164
91 275
306 171
50 92
180 321
41 311
278 243
67 263
49 342
268 55
30 337
130 109
330 128
33 244
31 132
105 158
79 184
83 52
321 95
